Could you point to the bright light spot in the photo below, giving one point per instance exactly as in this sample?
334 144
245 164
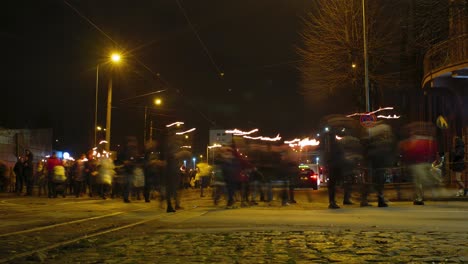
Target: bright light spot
115 57
353 65
157 101
214 146
327 129
99 128
66 155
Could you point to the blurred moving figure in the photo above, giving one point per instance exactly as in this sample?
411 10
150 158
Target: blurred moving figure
18 170
418 152
28 172
380 154
334 155
52 162
204 172
333 160
352 164
41 176
79 176
458 165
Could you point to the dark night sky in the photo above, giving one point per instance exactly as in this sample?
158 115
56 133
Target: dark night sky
50 54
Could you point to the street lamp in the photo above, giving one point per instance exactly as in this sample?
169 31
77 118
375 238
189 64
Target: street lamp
115 58
156 102
366 62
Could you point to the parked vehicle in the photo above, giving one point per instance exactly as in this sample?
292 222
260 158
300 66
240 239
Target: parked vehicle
309 176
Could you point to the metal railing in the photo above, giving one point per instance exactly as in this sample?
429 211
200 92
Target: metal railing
446 54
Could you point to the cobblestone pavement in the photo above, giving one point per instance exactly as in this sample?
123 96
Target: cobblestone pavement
301 233
271 246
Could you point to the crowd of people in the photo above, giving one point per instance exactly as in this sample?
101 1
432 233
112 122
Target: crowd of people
248 172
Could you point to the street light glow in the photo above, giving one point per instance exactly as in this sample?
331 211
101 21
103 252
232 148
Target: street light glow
157 101
115 57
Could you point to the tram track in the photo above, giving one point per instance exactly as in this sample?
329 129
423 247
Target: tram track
19 245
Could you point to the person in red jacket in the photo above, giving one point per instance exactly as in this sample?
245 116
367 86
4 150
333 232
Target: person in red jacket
418 153
52 161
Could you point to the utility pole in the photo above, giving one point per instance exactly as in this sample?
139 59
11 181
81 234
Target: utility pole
109 110
366 62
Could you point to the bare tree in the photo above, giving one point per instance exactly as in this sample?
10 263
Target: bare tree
332 52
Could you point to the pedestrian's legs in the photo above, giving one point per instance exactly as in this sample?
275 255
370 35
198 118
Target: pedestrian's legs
347 188
460 184
418 179
379 179
331 193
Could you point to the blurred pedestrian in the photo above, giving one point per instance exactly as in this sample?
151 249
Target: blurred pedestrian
52 162
79 176
18 170
458 165
418 152
3 176
41 176
91 172
352 164
106 172
28 172
381 154
333 157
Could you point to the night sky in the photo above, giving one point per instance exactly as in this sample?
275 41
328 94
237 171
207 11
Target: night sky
50 53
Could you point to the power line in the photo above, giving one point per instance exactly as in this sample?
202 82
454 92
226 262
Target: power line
220 73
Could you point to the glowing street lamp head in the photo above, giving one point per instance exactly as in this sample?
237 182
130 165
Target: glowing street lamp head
157 101
115 57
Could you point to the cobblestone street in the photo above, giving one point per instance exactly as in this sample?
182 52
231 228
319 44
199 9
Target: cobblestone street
306 232
300 246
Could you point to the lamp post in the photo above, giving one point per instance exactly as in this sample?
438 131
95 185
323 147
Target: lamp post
96 104
366 66
156 102
115 58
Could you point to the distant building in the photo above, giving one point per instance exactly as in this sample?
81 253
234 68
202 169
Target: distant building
13 142
219 136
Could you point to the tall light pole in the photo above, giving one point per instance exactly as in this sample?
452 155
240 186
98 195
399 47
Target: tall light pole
156 102
116 59
96 104
366 66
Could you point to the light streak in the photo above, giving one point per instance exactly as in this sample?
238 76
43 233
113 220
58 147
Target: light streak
265 138
237 132
185 132
292 141
186 147
302 143
215 146
370 113
175 124
388 116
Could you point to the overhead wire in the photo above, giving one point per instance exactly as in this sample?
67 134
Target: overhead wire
218 70
164 82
